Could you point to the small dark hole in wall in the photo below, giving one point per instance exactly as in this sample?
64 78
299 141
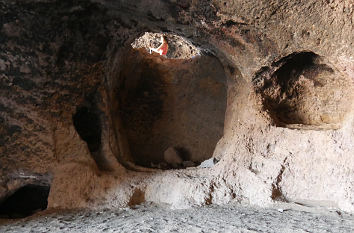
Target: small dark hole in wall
87 124
25 201
137 198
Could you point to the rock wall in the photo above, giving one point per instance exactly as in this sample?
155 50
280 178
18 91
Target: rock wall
287 66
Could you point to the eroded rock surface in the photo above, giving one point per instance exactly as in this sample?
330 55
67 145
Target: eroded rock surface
147 218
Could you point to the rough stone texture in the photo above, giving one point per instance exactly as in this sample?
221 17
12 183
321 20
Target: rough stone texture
62 58
147 218
303 90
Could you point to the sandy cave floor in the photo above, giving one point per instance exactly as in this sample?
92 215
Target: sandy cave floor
151 218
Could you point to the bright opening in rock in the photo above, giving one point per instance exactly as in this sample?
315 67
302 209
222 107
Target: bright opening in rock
176 47
303 90
25 201
172 110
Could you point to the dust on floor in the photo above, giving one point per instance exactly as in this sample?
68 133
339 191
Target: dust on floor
151 218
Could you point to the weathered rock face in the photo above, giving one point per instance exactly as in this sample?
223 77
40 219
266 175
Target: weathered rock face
264 87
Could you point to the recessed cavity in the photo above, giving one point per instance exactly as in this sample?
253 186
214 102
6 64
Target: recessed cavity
87 124
171 110
89 127
25 201
303 90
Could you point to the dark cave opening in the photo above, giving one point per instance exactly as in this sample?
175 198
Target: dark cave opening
25 201
172 110
87 124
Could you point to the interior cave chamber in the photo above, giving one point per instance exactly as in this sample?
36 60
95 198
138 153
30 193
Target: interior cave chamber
170 108
176 116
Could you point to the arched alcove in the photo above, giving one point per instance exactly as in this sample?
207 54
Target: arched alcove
302 90
172 107
25 201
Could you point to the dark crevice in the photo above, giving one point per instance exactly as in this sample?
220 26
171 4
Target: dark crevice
209 199
87 124
26 201
277 193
